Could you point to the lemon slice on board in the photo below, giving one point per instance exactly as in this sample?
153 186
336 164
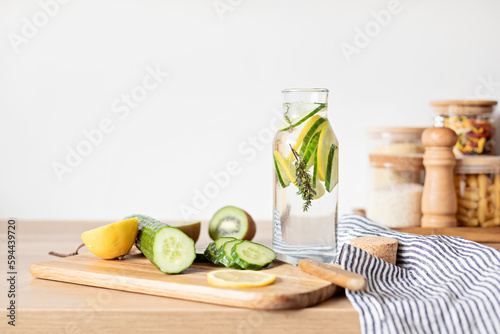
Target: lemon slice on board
239 278
112 240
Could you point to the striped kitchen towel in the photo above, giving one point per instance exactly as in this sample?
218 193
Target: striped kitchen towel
441 284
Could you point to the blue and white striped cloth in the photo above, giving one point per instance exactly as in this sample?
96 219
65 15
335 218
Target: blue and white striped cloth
441 284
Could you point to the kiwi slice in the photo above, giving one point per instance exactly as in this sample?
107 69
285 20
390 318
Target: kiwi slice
233 222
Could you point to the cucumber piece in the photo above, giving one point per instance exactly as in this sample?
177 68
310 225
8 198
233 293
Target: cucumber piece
332 169
316 127
168 248
224 255
210 253
200 256
311 149
250 255
303 118
220 242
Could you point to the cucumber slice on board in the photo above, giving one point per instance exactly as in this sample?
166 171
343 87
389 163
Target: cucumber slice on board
304 117
219 243
168 248
250 255
332 169
200 256
210 253
224 255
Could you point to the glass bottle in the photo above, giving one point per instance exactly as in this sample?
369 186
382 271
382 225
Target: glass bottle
306 158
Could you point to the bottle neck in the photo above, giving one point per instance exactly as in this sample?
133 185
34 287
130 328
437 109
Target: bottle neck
300 102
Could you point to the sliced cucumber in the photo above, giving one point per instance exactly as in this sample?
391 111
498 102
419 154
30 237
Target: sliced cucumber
220 242
302 118
316 127
311 149
250 255
224 255
332 169
300 138
210 253
168 248
200 256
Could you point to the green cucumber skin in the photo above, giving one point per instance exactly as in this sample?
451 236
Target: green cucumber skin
210 255
246 265
226 259
146 237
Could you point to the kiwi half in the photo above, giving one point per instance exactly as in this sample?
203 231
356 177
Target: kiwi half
233 222
192 230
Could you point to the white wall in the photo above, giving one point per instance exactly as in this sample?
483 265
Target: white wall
225 76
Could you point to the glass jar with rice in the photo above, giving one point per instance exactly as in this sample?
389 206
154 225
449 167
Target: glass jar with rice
396 189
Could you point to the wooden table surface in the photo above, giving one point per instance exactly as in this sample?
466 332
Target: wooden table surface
52 307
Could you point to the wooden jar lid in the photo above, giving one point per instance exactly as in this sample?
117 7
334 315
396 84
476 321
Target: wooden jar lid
397 161
478 165
464 107
381 247
396 134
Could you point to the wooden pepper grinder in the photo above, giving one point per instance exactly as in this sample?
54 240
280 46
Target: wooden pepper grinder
439 202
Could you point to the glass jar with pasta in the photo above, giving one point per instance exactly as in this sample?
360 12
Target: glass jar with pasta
473 123
477 185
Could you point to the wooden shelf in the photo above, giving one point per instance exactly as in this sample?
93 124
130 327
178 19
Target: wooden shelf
478 234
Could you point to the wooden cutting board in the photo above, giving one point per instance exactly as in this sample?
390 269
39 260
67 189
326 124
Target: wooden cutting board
293 288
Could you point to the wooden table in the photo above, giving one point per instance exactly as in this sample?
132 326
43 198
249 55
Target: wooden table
52 307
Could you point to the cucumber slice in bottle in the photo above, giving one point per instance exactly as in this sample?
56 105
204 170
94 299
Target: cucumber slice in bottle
326 140
224 255
332 171
284 170
301 136
318 126
304 117
311 151
250 255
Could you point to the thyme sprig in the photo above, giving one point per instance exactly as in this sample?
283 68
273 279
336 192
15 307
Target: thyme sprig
303 182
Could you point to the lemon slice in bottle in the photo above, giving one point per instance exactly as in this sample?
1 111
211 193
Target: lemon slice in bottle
285 170
239 278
